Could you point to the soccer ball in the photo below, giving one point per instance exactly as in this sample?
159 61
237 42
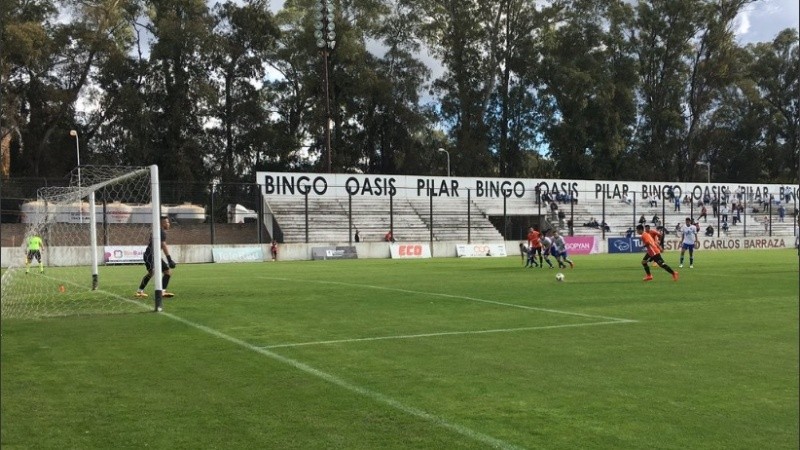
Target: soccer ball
559 276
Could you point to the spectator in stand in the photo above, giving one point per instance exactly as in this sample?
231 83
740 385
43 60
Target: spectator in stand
709 231
389 237
723 211
629 233
656 221
654 203
781 213
553 210
605 226
737 215
725 226
714 206
274 250
677 204
766 223
686 199
592 223
703 213
642 219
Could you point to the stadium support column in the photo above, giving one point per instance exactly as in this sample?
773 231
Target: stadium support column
391 213
430 203
744 219
603 217
571 215
769 215
505 219
211 214
350 218
469 217
664 211
305 199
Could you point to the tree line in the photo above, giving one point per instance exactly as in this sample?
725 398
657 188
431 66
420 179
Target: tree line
589 89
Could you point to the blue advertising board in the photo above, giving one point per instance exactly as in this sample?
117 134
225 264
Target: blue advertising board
625 245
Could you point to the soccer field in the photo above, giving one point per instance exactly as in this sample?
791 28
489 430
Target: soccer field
424 354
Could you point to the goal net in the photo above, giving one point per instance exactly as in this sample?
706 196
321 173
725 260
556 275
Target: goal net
93 234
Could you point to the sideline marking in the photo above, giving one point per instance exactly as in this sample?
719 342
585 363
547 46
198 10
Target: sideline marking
448 333
474 299
376 396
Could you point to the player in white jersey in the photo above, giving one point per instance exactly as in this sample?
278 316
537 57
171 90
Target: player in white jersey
547 245
688 241
559 251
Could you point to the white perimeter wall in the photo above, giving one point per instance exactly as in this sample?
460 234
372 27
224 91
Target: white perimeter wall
368 250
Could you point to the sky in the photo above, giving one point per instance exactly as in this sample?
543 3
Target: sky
763 20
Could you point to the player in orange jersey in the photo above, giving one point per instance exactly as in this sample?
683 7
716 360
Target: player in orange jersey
535 245
653 254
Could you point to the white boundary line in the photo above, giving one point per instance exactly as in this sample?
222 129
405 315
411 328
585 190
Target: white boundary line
408 291
373 395
447 333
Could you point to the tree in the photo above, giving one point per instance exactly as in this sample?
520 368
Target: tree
588 76
244 37
776 74
179 91
46 68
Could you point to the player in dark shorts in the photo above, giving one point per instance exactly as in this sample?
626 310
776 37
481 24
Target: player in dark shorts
166 266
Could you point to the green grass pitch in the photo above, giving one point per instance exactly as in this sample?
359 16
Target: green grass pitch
425 354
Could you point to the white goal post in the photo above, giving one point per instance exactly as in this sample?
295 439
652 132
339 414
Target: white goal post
107 212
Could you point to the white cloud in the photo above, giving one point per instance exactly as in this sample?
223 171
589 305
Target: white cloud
763 20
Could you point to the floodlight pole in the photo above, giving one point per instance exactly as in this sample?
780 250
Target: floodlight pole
74 134
708 169
448 160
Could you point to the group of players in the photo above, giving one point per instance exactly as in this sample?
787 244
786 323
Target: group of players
551 243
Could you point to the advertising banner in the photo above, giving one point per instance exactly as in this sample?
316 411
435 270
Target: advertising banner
237 254
320 185
410 251
480 250
326 253
581 245
625 245
124 254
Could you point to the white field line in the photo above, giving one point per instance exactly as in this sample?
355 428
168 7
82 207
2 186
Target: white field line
462 297
448 333
373 395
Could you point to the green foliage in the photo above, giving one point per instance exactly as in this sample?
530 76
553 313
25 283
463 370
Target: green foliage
602 89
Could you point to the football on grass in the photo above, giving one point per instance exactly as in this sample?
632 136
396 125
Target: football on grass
559 276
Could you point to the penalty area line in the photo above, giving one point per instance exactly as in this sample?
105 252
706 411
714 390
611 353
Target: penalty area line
344 384
447 333
461 297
